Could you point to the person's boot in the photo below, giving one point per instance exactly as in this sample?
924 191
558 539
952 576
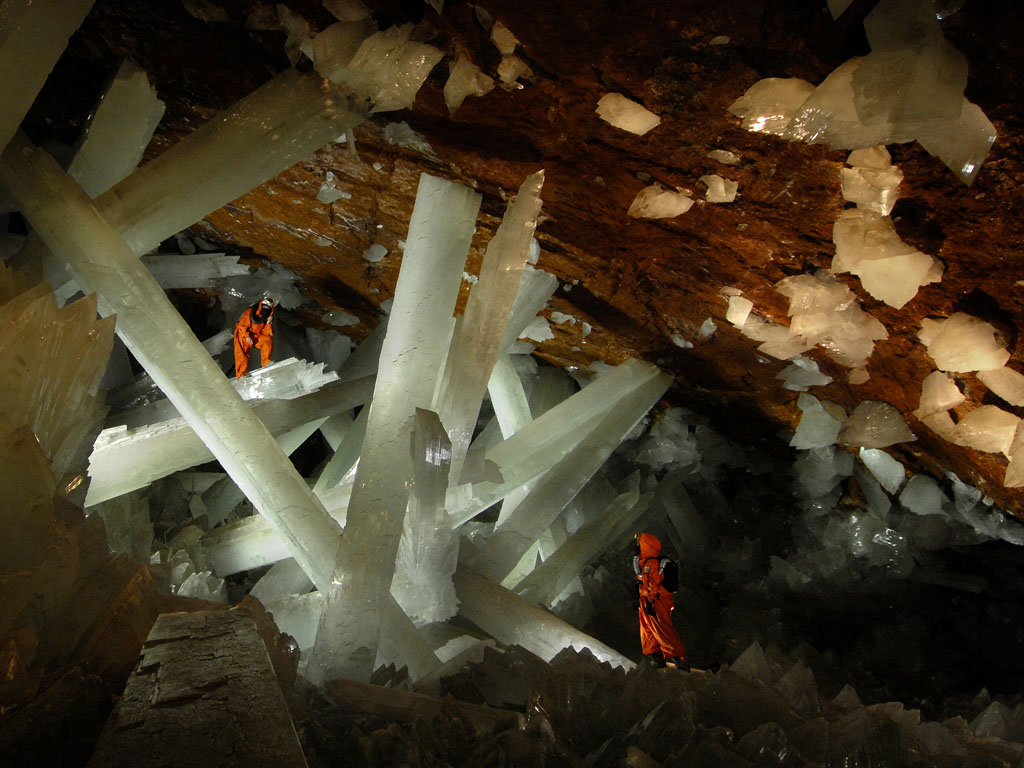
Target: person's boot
656 660
679 663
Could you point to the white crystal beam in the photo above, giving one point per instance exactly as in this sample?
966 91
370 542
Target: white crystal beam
346 455
478 341
535 288
33 35
508 397
125 459
119 132
440 232
542 443
513 537
162 342
223 496
271 129
513 621
610 529
285 577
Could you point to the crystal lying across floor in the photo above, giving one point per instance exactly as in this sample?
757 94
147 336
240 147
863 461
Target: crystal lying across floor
198 270
157 450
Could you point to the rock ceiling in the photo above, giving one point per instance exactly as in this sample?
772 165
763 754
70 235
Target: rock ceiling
636 282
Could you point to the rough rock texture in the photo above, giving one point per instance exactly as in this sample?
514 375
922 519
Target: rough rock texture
200 678
639 281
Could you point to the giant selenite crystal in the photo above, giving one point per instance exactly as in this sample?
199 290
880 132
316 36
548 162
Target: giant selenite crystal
158 337
279 124
532 516
479 336
939 393
59 356
33 34
656 202
387 69
124 459
443 220
890 270
513 621
551 577
428 550
550 437
768 105
818 427
823 312
464 79
119 131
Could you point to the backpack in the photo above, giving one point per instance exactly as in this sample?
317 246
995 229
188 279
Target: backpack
670 575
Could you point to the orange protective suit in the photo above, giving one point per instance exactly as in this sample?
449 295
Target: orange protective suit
657 633
254 329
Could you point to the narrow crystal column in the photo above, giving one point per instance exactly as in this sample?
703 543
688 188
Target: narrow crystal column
346 455
508 397
282 122
512 410
428 550
510 540
478 341
513 621
544 441
124 459
443 220
33 35
611 529
159 338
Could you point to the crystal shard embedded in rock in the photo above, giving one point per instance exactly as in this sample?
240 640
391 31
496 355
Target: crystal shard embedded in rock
962 342
616 109
874 424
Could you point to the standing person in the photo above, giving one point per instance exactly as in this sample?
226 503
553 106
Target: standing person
254 329
657 579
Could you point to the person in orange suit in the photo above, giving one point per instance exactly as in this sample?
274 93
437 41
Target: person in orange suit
655 576
254 329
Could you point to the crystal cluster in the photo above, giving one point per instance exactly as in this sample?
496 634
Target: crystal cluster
911 86
891 271
823 312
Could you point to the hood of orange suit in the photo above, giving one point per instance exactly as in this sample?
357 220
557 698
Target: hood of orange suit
650 546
